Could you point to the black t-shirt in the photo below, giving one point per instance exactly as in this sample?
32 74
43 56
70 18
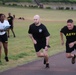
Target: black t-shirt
10 20
39 32
70 34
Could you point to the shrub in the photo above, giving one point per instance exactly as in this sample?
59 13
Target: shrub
25 5
72 8
9 4
48 7
61 8
33 6
14 4
67 8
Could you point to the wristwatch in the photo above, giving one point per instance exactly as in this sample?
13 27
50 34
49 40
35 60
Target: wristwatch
48 46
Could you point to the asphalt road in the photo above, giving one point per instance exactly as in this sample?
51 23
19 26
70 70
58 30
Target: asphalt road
59 65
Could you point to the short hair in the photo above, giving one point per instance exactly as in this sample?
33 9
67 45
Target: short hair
37 16
69 21
1 14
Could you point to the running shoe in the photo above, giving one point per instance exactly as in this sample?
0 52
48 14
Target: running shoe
6 58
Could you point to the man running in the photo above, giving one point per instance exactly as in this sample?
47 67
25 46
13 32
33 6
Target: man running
70 33
40 37
10 20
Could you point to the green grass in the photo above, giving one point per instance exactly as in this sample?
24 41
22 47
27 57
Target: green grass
21 49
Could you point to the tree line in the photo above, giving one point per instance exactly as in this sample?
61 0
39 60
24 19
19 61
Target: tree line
68 1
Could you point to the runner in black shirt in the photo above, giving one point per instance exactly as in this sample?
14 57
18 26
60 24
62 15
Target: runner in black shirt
40 37
70 32
10 20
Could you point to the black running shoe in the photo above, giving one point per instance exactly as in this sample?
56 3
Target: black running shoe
73 59
6 58
0 62
47 65
44 61
14 36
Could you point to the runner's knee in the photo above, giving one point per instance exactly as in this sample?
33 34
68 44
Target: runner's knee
68 55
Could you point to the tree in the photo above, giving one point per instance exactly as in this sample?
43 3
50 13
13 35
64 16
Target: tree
38 3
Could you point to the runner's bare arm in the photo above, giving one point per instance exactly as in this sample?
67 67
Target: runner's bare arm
34 41
62 39
47 40
72 44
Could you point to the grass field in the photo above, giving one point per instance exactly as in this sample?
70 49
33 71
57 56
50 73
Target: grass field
21 49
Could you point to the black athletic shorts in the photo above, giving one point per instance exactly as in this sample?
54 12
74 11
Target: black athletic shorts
11 27
3 38
39 46
68 49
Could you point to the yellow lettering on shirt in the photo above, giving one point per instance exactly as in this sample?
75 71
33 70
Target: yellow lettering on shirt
67 34
70 34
